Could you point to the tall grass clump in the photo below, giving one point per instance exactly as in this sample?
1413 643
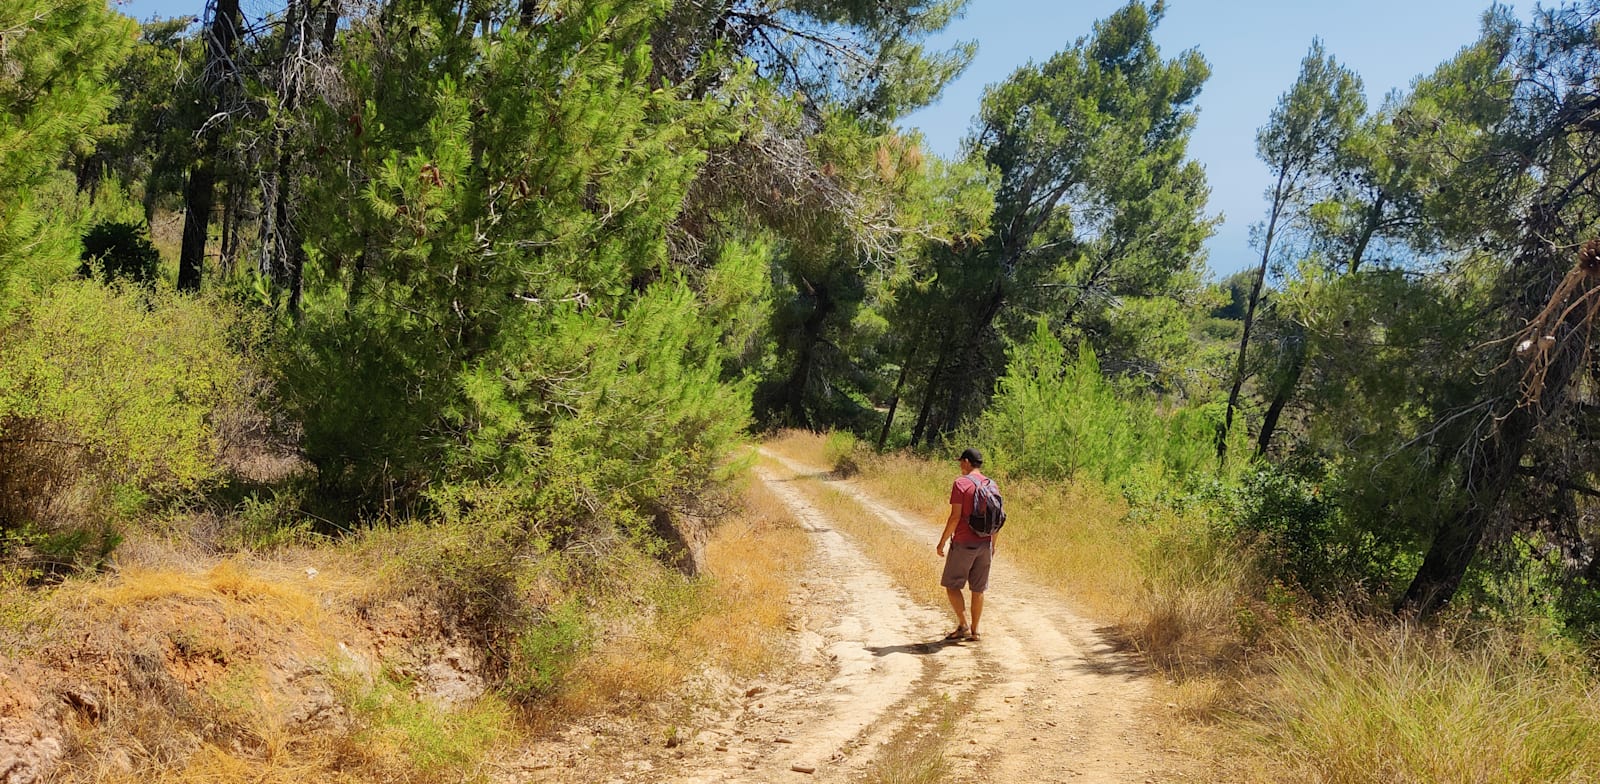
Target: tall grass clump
1355 703
402 738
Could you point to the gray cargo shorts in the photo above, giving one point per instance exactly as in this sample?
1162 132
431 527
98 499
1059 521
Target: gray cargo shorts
967 563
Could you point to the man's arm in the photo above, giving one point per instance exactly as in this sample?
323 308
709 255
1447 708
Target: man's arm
949 527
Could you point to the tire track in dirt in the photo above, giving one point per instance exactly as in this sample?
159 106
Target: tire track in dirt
1055 702
859 614
1044 699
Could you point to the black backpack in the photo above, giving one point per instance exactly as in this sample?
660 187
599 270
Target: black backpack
988 511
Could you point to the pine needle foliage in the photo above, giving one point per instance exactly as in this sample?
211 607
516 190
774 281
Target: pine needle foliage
55 56
497 314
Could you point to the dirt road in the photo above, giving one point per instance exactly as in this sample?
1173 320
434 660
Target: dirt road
1042 698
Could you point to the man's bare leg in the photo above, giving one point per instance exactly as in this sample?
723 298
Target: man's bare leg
977 611
959 604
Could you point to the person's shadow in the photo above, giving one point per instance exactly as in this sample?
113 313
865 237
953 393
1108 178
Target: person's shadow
913 648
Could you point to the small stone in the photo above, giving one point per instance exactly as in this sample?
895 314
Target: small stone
85 701
722 748
802 769
310 572
781 740
754 690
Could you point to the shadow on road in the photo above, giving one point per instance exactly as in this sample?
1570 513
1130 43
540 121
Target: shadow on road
1113 654
913 648
824 476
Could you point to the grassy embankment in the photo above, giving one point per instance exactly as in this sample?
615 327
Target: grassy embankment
1267 688
191 668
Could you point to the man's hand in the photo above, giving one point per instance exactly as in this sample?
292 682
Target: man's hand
939 548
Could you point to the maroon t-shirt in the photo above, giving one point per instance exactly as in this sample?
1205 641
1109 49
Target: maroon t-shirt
962 493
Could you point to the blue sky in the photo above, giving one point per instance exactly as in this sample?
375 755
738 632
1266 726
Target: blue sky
1254 47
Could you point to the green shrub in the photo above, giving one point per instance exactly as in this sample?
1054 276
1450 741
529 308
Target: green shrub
271 521
1297 531
119 251
430 742
367 398
108 402
577 418
1053 418
547 650
842 448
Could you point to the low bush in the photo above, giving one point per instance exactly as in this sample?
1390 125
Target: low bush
1055 418
841 450
108 399
119 251
403 738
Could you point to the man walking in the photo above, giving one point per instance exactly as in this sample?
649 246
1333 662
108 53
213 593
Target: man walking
967 565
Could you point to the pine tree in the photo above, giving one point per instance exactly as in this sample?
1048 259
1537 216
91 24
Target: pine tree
1301 142
55 60
496 304
1096 206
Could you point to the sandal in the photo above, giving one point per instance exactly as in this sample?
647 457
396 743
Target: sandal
959 634
972 637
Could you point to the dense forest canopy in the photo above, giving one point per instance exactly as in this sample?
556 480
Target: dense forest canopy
541 262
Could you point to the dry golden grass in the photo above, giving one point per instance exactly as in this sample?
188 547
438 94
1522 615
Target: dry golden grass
211 764
732 620
754 560
229 583
1351 702
915 755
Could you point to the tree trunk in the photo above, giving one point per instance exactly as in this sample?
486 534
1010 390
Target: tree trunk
200 192
894 399
284 242
198 195
1278 204
1285 390
1512 420
810 336
330 27
1374 217
230 232
527 14
147 200
964 385
928 393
